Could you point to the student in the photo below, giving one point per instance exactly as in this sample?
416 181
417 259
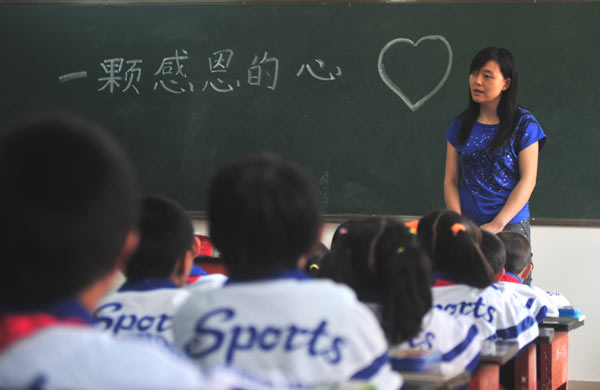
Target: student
213 277
518 265
495 252
492 148
463 279
382 262
270 319
145 304
68 209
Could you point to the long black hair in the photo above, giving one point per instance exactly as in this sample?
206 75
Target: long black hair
455 247
508 107
382 262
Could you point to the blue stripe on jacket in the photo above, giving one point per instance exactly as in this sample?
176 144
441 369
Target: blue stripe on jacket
462 346
514 331
372 369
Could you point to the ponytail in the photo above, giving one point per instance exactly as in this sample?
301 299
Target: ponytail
457 253
405 277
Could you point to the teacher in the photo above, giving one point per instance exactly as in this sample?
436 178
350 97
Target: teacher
493 147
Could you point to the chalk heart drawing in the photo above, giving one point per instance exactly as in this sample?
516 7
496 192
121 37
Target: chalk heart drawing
394 87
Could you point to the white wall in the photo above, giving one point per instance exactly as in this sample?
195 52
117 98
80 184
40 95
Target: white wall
566 260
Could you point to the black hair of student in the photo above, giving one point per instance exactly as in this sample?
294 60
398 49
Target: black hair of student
494 250
264 215
68 201
457 252
313 263
425 231
518 251
508 107
383 263
166 234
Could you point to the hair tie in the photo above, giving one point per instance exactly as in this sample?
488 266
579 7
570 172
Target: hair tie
412 226
343 231
458 227
313 267
400 250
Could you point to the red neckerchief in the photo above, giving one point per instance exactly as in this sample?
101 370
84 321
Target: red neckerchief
192 279
441 283
511 278
14 327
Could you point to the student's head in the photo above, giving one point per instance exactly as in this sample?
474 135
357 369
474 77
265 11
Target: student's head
68 208
518 252
382 262
456 250
264 215
495 253
425 230
166 245
493 79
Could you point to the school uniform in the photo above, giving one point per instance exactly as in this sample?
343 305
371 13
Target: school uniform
457 339
304 330
497 315
558 299
538 300
58 349
142 309
208 281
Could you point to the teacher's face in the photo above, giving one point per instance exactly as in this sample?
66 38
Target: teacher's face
488 83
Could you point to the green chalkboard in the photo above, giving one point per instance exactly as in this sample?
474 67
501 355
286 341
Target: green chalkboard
357 93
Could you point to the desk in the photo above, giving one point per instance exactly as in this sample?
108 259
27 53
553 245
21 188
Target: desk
554 355
526 362
434 380
493 355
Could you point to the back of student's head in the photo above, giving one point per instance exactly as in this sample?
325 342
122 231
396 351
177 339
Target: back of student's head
264 215
518 251
494 250
68 200
166 235
382 262
425 230
456 250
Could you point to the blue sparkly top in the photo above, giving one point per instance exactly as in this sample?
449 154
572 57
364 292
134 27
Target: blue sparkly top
487 178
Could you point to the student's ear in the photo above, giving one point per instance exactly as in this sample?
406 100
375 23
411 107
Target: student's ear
196 246
507 84
302 262
183 267
499 275
129 246
526 271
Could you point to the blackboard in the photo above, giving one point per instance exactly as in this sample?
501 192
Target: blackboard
185 88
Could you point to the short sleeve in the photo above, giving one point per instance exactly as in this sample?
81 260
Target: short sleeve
452 132
529 131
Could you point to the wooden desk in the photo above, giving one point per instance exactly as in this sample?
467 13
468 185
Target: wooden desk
493 355
526 377
554 355
434 380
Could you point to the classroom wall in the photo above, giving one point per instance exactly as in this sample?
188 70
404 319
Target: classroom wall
566 260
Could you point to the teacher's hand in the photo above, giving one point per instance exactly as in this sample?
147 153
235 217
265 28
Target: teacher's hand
493 227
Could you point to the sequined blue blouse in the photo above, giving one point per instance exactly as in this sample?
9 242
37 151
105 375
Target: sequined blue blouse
488 178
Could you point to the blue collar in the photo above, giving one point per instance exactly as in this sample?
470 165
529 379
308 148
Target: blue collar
147 285
71 308
289 274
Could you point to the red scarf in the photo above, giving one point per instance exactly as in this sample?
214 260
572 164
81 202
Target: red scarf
14 327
